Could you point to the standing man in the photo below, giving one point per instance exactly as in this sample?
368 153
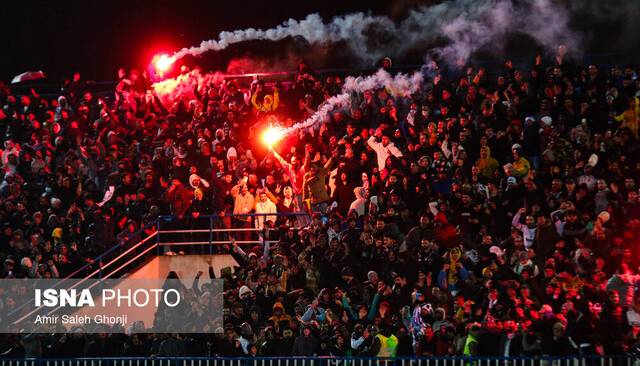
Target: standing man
314 187
244 203
265 206
384 148
296 173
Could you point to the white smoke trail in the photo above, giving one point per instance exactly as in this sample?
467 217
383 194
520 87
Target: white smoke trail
337 101
464 25
311 28
398 85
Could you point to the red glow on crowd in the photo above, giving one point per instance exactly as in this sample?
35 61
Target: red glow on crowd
162 63
272 135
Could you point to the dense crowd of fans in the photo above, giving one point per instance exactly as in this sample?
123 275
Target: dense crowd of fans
486 214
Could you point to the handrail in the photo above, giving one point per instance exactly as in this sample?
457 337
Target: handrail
110 274
238 229
284 214
99 270
170 217
157 244
94 260
339 358
120 256
183 243
129 261
211 230
159 231
111 250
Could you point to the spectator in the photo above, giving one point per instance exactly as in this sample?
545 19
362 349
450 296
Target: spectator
243 206
314 188
264 205
305 344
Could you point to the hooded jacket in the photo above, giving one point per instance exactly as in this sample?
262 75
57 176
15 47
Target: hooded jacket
359 204
283 316
314 187
343 194
624 286
305 346
383 152
487 165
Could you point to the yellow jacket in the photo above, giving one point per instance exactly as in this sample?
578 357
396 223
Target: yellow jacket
630 118
270 102
521 167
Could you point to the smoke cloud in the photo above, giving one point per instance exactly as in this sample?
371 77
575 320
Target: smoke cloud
398 85
248 64
463 26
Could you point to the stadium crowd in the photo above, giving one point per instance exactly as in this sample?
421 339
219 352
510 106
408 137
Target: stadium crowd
485 214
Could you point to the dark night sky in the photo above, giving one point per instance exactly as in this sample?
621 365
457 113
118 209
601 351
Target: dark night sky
97 37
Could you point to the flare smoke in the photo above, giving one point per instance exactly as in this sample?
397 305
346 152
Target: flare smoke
398 85
463 25
184 84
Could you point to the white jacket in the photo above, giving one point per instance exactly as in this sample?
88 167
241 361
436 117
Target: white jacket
528 234
383 152
266 207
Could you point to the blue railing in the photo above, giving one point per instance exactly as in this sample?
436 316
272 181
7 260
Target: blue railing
94 261
626 360
136 253
157 223
208 226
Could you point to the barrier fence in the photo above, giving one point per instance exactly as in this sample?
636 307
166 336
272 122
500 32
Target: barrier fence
333 361
166 232
208 231
50 89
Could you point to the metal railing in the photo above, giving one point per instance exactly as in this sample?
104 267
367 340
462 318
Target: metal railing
130 257
332 361
96 265
212 230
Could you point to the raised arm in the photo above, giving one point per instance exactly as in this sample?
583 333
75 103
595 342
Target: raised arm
280 159
373 309
394 151
276 99
236 189
557 222
195 285
254 103
516 220
327 166
238 251
347 307
271 196
307 161
445 148
555 215
433 208
373 143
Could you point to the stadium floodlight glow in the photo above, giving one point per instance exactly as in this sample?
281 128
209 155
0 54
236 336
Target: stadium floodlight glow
162 62
272 136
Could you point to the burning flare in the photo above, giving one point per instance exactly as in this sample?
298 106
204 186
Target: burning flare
272 135
163 62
